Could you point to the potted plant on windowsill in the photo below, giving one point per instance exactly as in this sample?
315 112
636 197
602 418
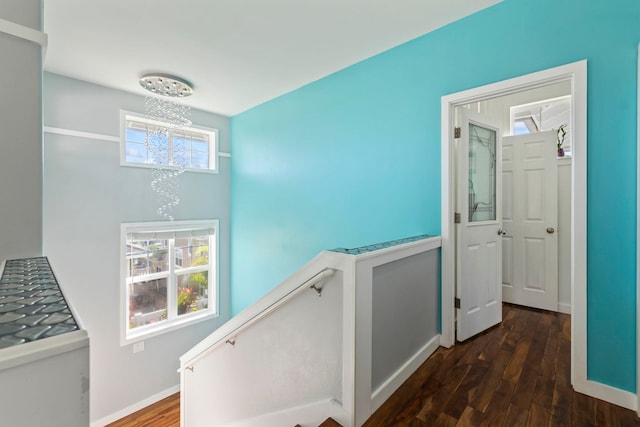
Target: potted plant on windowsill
561 135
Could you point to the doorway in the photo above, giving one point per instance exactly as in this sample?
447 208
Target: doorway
576 74
536 161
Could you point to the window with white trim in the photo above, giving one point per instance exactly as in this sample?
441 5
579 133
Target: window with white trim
169 275
195 148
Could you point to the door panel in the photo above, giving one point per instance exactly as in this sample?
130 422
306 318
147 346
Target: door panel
478 243
534 265
533 199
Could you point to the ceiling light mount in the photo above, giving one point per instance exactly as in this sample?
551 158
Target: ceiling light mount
166 85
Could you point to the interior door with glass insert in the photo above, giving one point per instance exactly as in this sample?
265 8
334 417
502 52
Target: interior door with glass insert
478 228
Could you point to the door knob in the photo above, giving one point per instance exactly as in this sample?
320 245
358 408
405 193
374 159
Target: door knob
551 230
501 232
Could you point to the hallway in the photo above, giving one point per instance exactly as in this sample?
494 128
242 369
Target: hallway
515 374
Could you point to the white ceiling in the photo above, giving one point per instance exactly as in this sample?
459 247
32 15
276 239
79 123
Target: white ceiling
237 53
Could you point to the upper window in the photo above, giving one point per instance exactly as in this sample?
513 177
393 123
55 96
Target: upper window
541 116
147 142
169 275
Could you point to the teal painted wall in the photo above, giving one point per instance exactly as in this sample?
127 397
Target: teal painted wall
354 158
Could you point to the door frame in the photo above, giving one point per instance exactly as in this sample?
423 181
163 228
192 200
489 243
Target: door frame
576 73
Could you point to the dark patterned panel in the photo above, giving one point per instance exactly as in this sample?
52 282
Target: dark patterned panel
378 246
31 303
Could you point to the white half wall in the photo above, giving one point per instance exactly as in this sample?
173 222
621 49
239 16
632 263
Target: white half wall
87 194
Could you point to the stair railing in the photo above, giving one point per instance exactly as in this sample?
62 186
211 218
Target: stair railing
228 333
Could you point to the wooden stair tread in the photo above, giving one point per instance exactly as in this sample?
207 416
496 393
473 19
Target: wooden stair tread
330 422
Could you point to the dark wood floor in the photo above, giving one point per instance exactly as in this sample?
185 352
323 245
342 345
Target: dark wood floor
164 413
515 374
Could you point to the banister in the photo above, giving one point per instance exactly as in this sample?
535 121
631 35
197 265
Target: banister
228 332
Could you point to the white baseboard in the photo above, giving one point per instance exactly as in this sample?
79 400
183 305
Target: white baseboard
564 308
623 398
312 414
384 392
135 407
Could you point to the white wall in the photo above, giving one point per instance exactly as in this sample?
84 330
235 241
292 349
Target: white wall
87 194
21 140
291 358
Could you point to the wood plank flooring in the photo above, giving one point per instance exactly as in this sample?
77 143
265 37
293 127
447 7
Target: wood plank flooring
164 413
515 374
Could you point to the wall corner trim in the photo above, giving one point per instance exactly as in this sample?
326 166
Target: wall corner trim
22 32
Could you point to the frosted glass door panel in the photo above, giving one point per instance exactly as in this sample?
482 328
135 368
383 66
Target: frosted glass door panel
482 174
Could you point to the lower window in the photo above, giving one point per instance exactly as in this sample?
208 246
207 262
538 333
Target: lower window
169 275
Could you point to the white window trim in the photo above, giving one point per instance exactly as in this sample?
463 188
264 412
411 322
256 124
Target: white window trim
143 332
130 115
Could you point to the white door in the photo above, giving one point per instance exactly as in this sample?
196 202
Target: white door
530 218
478 228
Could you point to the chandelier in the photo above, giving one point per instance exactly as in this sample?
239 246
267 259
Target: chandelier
168 159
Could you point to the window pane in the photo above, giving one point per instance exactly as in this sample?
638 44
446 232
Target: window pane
180 158
193 291
136 152
199 160
193 250
520 128
199 145
180 142
136 135
482 174
159 147
147 257
147 302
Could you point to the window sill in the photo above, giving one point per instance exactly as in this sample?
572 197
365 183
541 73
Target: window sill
149 332
152 166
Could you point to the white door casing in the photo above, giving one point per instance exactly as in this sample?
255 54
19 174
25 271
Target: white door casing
478 233
530 220
576 73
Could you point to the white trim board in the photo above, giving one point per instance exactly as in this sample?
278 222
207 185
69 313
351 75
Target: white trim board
81 134
564 308
308 415
24 33
386 390
576 73
135 407
97 136
619 397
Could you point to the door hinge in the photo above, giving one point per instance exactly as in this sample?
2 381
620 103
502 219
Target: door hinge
456 302
457 218
457 132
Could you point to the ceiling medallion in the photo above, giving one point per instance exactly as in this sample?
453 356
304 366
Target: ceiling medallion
166 85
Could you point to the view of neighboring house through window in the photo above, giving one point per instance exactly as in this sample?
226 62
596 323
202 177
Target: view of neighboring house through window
193 148
169 274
